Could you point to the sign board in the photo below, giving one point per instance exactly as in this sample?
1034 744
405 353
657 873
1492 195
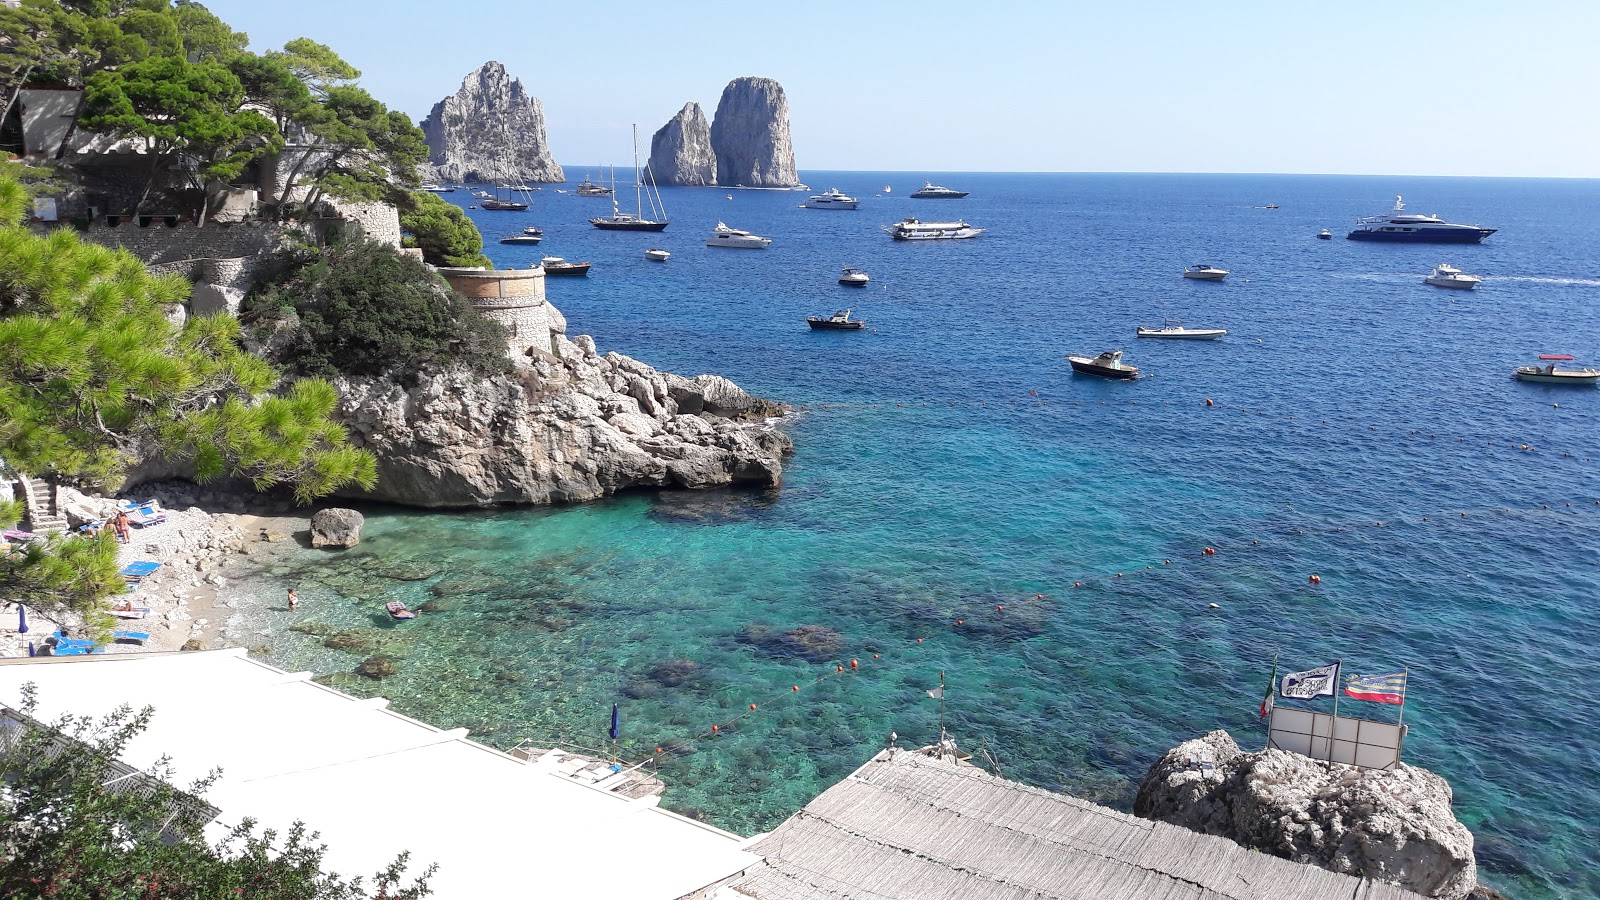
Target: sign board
1355 742
44 209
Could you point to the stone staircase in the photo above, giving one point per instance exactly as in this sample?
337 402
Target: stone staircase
44 517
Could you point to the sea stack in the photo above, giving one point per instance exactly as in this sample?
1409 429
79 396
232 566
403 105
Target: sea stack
490 130
680 153
750 135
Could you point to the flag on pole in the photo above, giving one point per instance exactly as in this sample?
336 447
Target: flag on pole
937 693
1310 684
1377 688
1266 702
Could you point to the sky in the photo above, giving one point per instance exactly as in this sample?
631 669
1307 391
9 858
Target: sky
1422 87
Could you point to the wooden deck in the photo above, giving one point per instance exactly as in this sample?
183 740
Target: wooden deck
907 825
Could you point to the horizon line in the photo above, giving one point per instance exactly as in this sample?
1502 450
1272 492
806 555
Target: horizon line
922 172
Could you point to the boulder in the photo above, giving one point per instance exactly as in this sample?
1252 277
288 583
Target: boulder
336 527
80 508
490 130
680 152
750 135
1394 825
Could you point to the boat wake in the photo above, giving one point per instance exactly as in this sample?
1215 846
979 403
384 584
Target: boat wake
1539 279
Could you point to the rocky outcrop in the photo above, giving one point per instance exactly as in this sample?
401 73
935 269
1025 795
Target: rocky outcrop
336 528
1394 826
680 153
750 135
576 428
490 130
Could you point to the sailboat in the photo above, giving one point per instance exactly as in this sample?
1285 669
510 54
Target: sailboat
621 221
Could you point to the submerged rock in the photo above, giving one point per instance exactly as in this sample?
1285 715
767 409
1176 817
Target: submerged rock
750 135
377 667
351 641
1394 826
813 642
336 528
490 130
680 152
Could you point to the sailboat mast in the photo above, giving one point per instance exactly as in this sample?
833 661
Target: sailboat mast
638 183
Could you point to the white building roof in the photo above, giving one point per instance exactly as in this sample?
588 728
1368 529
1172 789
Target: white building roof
374 782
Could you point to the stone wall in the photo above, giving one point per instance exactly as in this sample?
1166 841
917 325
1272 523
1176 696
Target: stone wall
515 298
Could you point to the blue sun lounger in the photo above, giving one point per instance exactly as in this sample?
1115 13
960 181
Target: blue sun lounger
137 571
76 650
130 637
143 514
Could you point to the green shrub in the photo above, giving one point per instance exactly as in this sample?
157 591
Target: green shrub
445 234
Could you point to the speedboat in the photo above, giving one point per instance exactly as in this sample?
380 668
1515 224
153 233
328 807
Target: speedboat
733 238
931 191
833 199
853 277
555 265
398 611
1447 276
839 321
916 230
1174 330
529 235
1107 365
1549 374
656 254
1325 235
1204 272
436 188
1400 225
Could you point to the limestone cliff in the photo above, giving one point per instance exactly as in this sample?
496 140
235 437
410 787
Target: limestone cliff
1394 826
577 428
680 153
750 135
490 130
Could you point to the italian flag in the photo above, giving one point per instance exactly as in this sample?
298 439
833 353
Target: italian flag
1272 687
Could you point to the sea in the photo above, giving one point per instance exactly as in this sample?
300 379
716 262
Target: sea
961 509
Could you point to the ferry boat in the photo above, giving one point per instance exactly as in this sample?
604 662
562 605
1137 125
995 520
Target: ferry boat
916 230
853 277
839 321
833 199
1204 272
1447 276
1549 374
1107 365
1174 330
1401 226
723 236
931 191
529 235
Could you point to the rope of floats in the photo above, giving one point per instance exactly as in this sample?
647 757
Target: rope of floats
958 619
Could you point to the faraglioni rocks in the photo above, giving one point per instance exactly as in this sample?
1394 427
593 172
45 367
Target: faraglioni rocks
490 130
680 152
750 135
1394 826
566 430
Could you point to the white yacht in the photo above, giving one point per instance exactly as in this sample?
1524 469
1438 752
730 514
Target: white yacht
1204 272
931 191
833 199
1174 330
656 254
853 277
916 230
1447 276
723 236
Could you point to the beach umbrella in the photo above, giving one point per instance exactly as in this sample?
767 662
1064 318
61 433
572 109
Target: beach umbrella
31 651
22 619
616 720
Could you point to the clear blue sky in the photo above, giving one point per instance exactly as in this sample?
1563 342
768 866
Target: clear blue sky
1464 87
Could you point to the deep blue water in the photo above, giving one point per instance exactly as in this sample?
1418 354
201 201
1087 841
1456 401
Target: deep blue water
948 462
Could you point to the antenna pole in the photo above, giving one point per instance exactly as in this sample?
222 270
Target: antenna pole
941 711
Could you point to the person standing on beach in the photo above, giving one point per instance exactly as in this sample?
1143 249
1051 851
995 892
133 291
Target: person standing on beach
120 526
294 600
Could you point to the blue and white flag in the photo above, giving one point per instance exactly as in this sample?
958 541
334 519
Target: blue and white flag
1310 684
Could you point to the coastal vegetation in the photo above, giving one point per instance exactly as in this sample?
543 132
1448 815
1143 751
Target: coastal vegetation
74 822
442 231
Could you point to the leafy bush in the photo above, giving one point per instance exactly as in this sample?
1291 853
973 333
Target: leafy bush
364 309
445 234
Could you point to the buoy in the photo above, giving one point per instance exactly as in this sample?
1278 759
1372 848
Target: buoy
1003 609
658 749
752 706
838 668
716 728
1080 584
1166 562
1119 574
959 622
1315 579
919 640
1209 403
854 664
1038 596
795 688
1213 606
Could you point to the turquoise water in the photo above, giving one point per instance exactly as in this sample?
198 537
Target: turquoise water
948 463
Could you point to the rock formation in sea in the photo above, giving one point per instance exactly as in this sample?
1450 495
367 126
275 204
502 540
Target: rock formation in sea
680 152
490 130
576 428
1394 826
750 135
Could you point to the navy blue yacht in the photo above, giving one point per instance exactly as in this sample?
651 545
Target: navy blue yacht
1401 226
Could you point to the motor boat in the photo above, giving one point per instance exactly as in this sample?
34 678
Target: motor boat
1107 365
529 235
587 188
505 205
1402 226
1325 235
436 188
656 254
839 321
931 191
1204 272
916 230
555 265
1549 374
1174 330
733 238
398 611
833 199
1447 276
853 277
